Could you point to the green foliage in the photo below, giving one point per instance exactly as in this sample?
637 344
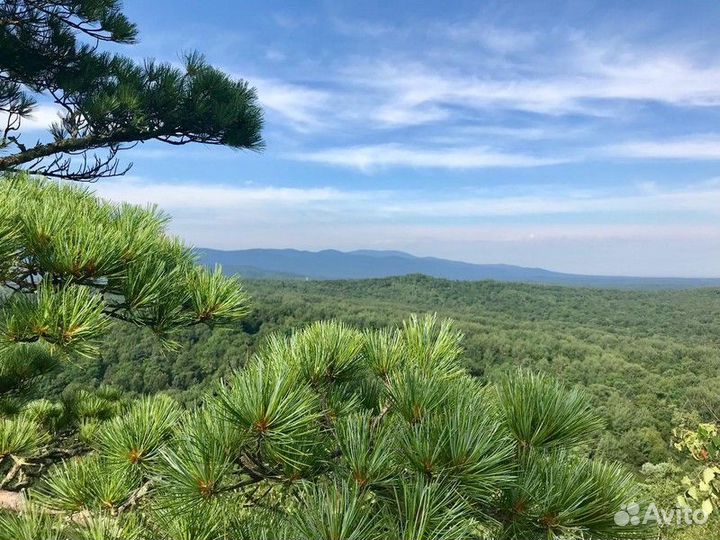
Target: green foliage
327 353
46 413
384 351
635 359
335 511
132 441
562 495
77 265
703 444
194 472
105 527
108 101
661 483
367 449
30 525
207 522
432 347
77 262
430 510
274 408
21 365
267 455
35 524
541 413
413 395
84 484
97 405
475 451
68 318
21 437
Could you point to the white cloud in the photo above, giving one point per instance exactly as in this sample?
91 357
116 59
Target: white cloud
301 106
498 39
699 147
393 115
42 117
395 155
203 196
560 74
590 83
638 75
371 157
694 200
388 205
546 131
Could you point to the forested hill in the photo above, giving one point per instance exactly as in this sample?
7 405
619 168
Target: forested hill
638 353
365 264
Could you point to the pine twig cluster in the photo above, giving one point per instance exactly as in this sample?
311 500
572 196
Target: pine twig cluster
70 263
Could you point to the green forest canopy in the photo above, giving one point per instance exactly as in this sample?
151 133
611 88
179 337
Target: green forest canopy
639 354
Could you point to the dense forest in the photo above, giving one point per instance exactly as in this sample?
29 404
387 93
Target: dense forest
649 359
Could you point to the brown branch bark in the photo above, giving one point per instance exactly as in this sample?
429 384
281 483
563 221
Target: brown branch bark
90 142
12 500
138 494
12 473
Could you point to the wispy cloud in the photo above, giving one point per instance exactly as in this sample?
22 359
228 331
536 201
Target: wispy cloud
303 107
692 200
593 81
373 204
458 155
561 74
367 158
203 196
495 38
699 147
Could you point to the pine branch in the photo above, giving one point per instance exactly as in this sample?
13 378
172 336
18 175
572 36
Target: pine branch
40 151
12 473
135 497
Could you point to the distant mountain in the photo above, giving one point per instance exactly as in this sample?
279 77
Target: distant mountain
363 264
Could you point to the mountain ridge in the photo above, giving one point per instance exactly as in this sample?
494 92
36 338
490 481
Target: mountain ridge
331 264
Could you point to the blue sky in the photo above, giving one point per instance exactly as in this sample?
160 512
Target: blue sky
576 136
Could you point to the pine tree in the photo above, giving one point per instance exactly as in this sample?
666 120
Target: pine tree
51 55
71 263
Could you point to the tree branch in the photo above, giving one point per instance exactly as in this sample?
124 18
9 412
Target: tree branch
91 142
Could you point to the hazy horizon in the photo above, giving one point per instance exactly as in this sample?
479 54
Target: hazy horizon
402 252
